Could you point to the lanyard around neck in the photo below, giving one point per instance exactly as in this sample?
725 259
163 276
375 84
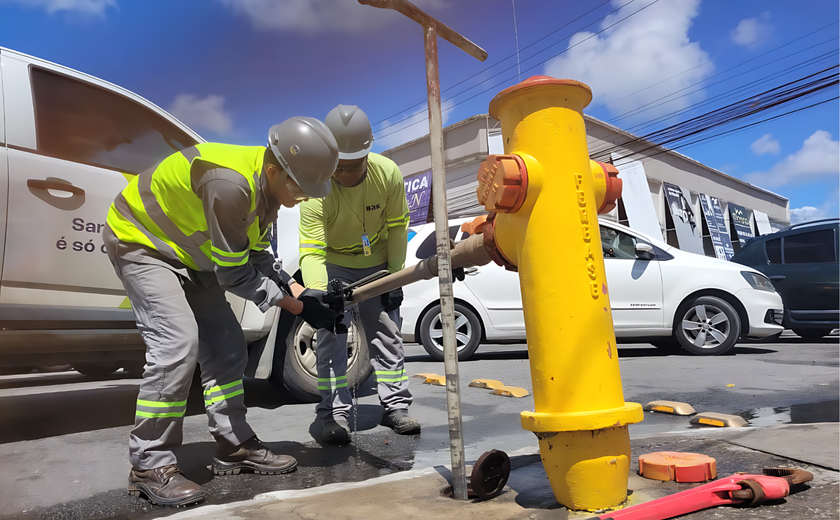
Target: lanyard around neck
362 218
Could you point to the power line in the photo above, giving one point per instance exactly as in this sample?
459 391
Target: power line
731 131
801 88
637 110
515 54
731 93
723 71
510 78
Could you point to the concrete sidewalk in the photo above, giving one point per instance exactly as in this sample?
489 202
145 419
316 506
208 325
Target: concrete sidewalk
416 494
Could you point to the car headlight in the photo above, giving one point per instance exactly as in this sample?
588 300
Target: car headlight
758 281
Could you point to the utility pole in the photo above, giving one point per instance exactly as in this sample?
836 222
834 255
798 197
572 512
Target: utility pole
432 28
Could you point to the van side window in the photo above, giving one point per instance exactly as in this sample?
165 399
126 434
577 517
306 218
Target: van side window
774 250
82 123
810 248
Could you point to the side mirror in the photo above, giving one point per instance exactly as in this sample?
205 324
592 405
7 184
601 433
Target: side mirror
644 250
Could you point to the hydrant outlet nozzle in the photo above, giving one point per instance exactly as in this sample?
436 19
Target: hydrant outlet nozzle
502 183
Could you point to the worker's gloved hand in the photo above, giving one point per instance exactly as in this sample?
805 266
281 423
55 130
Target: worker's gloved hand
281 277
340 328
316 313
392 300
458 274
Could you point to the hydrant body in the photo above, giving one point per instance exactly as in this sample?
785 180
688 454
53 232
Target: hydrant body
552 238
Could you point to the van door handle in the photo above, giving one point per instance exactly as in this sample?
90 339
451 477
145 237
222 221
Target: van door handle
39 184
777 277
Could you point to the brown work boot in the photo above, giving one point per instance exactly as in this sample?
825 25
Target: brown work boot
401 422
250 456
164 486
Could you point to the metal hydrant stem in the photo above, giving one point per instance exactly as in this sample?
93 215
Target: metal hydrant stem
553 240
431 29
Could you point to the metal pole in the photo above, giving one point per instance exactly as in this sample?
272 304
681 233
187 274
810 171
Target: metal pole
447 301
431 28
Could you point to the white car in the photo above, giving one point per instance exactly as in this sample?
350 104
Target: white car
657 293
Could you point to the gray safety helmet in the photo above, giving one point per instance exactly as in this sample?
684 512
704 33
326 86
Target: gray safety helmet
351 128
307 150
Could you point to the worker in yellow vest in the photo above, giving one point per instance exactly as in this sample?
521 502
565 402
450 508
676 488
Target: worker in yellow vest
359 229
180 235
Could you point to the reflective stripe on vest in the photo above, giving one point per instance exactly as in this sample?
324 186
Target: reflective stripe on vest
161 210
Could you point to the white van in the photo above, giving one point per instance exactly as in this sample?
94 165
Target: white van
69 142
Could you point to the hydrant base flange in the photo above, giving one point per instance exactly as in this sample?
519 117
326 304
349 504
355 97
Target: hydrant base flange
536 422
587 470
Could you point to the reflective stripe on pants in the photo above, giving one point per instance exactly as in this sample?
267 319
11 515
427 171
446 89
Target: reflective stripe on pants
382 332
181 323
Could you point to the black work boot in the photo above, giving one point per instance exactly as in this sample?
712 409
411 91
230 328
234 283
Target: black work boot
336 431
401 422
164 486
250 456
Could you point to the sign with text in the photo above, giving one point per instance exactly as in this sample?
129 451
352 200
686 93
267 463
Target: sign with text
686 225
741 221
722 227
418 194
717 230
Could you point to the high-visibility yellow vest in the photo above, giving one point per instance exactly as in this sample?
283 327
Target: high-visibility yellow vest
159 208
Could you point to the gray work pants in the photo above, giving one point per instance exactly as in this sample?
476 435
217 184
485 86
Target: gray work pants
382 332
181 322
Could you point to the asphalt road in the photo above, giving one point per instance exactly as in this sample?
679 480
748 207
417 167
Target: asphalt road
63 437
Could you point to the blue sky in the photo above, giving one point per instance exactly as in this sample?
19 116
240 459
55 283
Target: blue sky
232 68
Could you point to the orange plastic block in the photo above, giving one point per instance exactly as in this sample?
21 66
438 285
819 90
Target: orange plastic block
678 466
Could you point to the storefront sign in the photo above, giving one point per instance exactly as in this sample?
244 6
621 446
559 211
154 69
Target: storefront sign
723 229
717 230
741 220
686 224
418 193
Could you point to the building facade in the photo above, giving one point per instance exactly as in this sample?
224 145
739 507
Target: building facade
665 194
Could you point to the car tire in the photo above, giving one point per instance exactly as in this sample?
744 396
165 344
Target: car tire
97 369
468 332
707 326
300 375
811 334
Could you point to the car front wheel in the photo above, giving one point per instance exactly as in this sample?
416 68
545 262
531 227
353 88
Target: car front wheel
707 326
467 332
300 370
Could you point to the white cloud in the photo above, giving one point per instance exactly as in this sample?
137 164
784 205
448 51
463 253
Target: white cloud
805 214
752 30
89 7
207 113
416 125
765 144
818 157
636 55
312 16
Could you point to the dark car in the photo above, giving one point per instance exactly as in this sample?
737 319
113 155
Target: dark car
801 260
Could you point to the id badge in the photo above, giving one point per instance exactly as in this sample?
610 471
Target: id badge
366 244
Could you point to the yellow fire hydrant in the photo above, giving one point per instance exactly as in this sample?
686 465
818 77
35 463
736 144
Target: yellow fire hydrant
546 195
